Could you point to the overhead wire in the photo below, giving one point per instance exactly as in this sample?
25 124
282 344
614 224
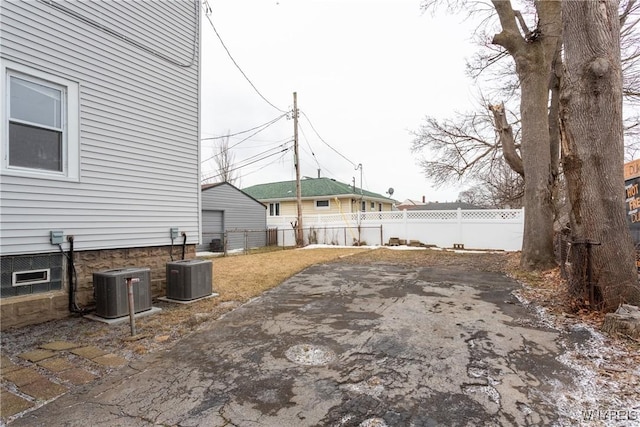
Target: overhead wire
245 131
284 150
207 13
268 164
309 145
267 125
326 143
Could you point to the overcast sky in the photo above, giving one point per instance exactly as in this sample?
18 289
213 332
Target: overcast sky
366 74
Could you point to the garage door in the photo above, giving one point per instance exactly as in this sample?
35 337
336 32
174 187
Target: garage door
212 228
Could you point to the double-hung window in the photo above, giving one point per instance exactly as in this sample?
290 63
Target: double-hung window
274 209
40 124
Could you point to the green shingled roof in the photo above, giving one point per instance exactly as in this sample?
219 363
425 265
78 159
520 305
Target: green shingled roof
310 187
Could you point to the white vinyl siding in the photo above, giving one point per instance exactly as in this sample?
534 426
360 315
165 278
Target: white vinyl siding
138 111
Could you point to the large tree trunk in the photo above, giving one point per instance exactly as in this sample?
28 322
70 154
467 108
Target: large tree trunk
533 54
537 246
593 157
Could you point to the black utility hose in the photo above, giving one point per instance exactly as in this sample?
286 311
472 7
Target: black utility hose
184 243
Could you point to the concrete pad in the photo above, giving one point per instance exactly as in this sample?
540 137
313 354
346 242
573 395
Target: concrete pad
118 320
43 389
89 352
57 364
6 365
37 355
177 301
12 404
23 376
110 360
77 376
59 345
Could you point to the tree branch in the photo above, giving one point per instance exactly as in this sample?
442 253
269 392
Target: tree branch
505 135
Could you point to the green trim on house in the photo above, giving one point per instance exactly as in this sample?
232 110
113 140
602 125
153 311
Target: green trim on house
310 188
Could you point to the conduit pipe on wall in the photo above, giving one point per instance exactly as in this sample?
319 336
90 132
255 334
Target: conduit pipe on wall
73 280
70 275
184 243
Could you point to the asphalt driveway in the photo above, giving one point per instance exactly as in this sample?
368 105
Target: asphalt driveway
346 345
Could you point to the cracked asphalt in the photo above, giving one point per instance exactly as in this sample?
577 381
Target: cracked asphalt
345 345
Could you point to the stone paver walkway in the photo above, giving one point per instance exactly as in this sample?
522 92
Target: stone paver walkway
33 378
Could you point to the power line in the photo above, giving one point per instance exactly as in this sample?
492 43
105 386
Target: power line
284 150
207 12
247 138
268 164
326 143
245 131
309 145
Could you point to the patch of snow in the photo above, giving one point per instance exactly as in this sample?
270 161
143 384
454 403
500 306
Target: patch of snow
595 399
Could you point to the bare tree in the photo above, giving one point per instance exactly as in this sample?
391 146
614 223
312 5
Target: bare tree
473 145
500 188
224 159
534 53
462 146
524 57
603 266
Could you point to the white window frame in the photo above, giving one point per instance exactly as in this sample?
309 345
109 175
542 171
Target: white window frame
323 207
275 210
70 122
15 277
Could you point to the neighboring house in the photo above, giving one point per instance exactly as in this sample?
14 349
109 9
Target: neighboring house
231 213
319 196
407 203
99 147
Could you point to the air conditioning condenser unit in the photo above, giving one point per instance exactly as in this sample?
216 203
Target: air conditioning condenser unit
189 279
112 299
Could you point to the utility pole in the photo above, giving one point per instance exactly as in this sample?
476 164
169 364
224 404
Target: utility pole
299 230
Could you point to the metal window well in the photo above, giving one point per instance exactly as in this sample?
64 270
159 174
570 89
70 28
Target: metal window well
112 300
189 279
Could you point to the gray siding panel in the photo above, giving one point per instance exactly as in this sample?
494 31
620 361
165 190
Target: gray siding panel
241 212
139 136
212 228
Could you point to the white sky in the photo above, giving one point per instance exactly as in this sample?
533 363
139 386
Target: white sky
366 73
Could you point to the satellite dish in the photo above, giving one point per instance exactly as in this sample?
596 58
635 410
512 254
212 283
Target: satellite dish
390 191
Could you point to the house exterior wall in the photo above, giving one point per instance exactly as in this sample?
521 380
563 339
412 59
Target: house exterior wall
345 205
133 102
240 213
35 308
138 124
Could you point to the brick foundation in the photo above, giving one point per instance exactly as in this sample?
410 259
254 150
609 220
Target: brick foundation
41 307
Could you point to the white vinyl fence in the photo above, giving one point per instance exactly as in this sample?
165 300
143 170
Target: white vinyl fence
498 229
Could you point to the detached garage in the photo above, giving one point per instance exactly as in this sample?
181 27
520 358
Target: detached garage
231 215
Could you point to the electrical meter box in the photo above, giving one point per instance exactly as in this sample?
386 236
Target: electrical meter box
112 299
189 279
